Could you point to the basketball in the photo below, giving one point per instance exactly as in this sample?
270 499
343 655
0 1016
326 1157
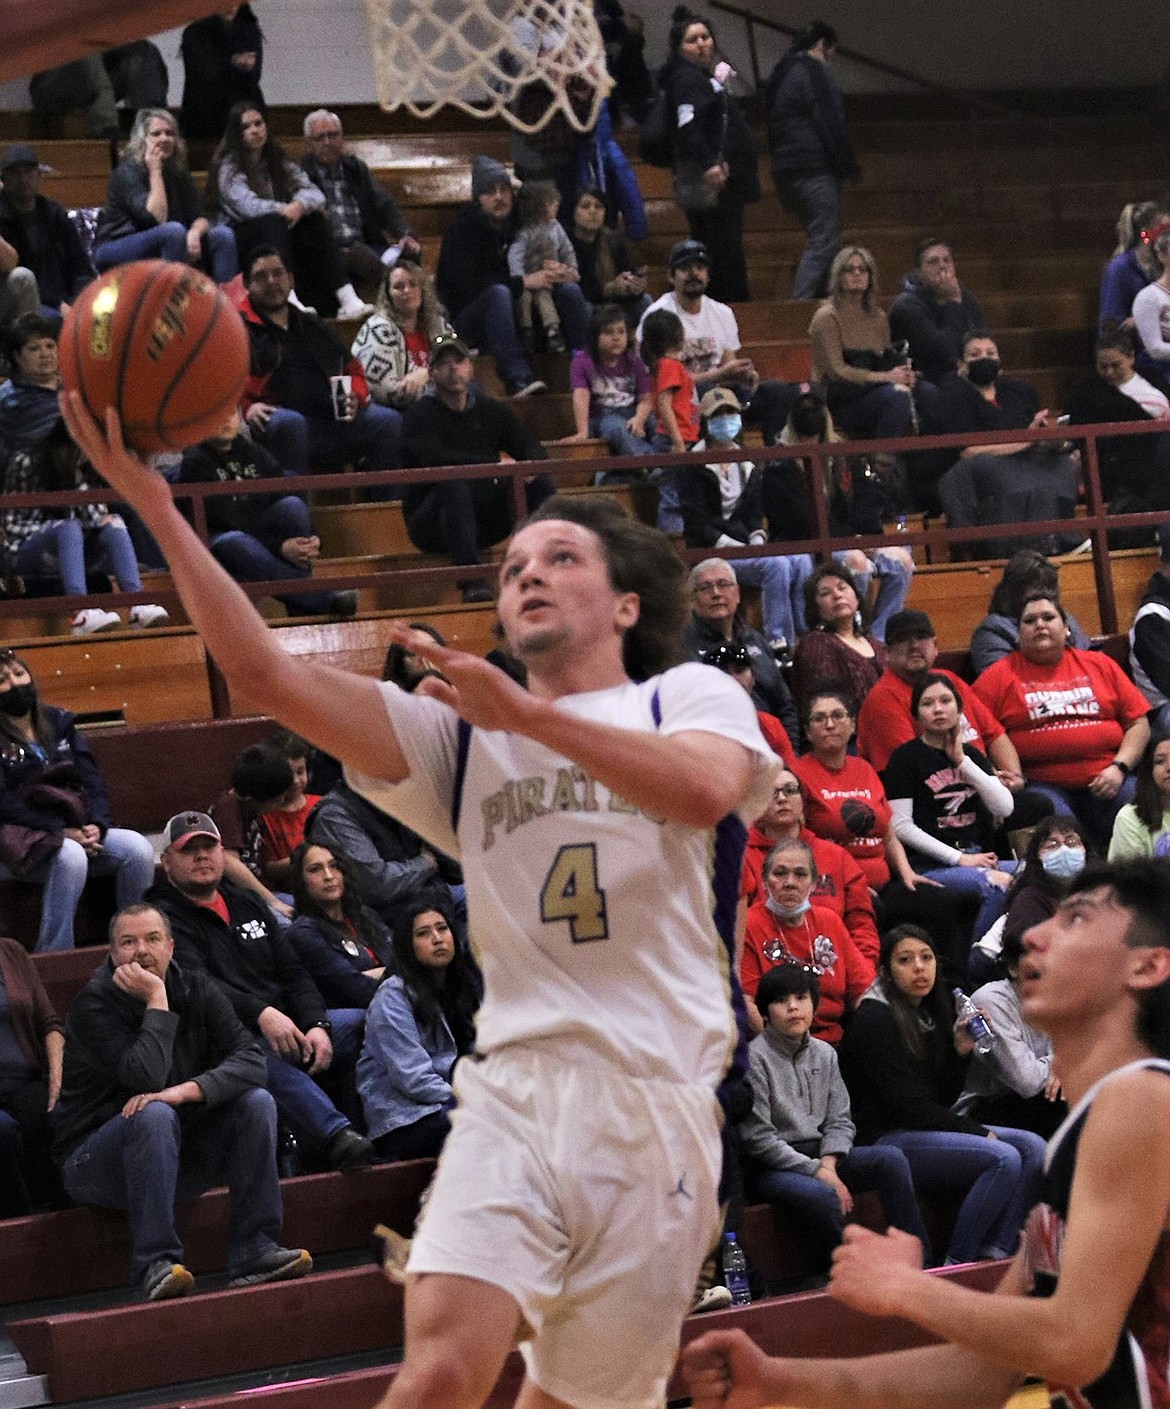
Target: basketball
161 344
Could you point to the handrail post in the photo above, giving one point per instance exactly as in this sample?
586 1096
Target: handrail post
753 52
1099 534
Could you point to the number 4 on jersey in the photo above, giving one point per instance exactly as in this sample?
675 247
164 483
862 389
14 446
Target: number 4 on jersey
570 892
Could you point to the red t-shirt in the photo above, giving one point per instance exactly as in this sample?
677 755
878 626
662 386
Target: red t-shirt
1066 720
417 349
670 375
819 938
850 808
282 832
884 720
776 737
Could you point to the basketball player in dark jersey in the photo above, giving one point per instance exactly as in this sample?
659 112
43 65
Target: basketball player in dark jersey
1085 1303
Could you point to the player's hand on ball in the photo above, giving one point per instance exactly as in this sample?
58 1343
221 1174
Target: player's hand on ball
122 470
726 1370
870 1269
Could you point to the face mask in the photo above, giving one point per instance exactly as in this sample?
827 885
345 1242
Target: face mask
1064 862
18 700
983 371
725 427
781 912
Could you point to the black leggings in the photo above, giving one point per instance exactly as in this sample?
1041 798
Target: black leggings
309 250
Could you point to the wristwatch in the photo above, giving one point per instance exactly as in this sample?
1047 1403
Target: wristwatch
1125 769
325 1026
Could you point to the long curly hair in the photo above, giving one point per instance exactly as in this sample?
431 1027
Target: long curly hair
456 997
640 560
432 316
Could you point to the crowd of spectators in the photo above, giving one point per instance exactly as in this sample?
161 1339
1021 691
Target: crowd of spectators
300 969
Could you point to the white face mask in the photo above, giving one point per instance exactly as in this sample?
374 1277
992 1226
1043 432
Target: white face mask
785 914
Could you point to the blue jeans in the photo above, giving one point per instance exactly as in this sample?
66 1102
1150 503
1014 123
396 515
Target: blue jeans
781 582
169 241
304 1107
489 322
305 445
1003 1174
878 1167
125 855
969 880
250 560
65 547
893 587
815 200
153 1160
611 427
1095 814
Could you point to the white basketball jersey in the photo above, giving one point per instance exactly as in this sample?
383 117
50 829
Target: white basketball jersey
600 929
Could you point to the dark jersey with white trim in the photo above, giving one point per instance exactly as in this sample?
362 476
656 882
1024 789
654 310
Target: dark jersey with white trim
1139 1375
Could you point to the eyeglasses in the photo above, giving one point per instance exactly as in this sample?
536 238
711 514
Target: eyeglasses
787 790
704 589
832 716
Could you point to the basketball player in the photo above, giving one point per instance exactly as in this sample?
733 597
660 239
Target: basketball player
600 817
1086 1302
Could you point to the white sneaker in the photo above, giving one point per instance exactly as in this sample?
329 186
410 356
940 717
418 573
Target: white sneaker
92 619
713 1299
148 615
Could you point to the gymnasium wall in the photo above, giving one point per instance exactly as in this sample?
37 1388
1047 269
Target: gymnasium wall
316 49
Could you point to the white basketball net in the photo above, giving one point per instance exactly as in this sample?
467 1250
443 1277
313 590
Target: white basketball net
480 54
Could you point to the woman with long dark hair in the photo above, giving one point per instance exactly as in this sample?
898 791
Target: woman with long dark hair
999 631
420 1021
344 944
1142 827
715 173
268 200
904 1061
55 812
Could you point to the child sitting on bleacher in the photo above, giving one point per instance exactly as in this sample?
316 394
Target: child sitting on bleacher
541 248
612 396
799 1137
282 826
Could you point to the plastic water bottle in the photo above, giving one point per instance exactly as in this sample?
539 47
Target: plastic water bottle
978 1028
735 1276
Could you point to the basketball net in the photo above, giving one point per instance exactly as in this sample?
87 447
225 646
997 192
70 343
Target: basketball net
524 59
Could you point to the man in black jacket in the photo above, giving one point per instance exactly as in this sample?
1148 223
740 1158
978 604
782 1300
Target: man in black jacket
163 1096
811 151
229 934
41 236
934 313
460 425
476 288
367 221
1149 640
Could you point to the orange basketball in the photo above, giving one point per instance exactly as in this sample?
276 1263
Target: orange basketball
161 344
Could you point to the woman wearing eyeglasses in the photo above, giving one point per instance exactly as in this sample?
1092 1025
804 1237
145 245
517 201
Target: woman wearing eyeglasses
846 802
786 928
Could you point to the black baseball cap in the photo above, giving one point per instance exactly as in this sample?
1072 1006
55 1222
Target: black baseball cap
20 154
908 623
688 252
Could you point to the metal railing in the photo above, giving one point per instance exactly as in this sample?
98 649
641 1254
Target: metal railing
1094 525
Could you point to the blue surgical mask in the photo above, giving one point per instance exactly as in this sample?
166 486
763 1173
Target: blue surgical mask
790 916
725 427
1063 862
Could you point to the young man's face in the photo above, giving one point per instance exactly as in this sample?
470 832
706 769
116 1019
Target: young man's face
1077 966
452 374
555 591
792 1015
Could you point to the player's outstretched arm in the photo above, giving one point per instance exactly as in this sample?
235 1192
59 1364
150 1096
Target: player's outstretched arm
1120 1201
338 711
692 777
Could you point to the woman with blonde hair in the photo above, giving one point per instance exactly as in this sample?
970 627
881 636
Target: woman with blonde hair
868 383
1131 267
393 343
153 210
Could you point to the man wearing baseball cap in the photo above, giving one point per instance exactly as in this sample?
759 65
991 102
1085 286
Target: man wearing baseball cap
461 425
38 241
162 1097
229 933
711 350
